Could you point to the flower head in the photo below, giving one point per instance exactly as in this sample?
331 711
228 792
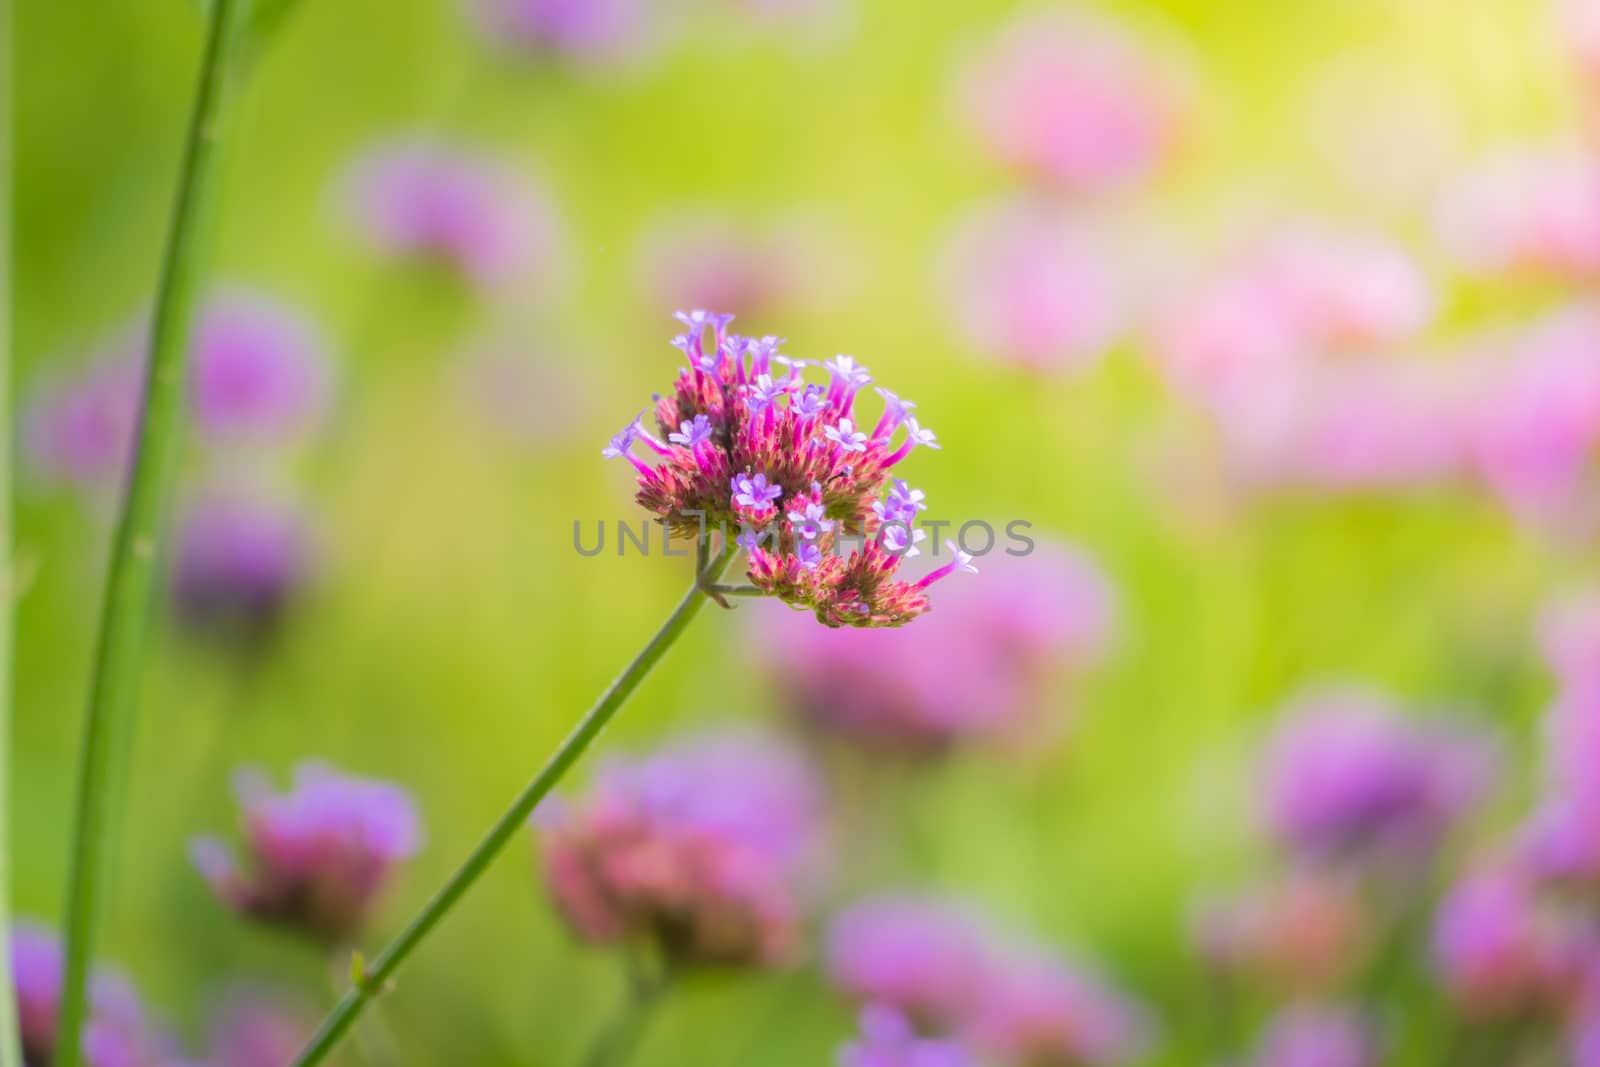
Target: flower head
980 672
1345 776
1306 1036
779 447
319 856
1042 1010
258 371
1306 933
79 425
889 1040
1527 212
257 1028
700 849
116 1034
1075 100
239 564
597 33
427 200
926 959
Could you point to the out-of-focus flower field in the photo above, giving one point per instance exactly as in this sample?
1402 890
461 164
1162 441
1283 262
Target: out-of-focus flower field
1261 337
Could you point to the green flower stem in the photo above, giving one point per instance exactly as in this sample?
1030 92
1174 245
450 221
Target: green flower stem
130 579
10 1042
614 1045
371 979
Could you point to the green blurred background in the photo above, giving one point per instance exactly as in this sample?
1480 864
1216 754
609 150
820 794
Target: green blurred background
455 636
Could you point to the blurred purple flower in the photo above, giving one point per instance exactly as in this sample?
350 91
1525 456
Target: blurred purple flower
927 959
116 1034
319 855
888 1040
706 259
1308 1036
1075 99
80 424
1346 775
599 33
428 199
257 1028
1307 932
704 848
1044 1012
1501 953
239 563
1527 212
258 371
1033 287
977 670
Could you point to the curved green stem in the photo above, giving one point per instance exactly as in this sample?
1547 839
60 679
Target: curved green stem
370 979
130 579
10 1042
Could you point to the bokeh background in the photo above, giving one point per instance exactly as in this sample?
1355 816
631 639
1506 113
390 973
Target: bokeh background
817 165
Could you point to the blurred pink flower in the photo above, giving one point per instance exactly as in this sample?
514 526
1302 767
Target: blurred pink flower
426 199
1307 1036
1075 99
1032 287
318 856
711 260
602 33
1346 776
1536 422
1043 1012
928 959
258 371
116 1034
1534 212
258 1028
703 849
981 669
80 423
1306 932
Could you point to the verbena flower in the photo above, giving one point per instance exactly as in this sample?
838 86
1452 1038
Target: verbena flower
1307 932
925 958
1535 428
317 857
701 851
1034 287
429 200
888 1040
595 33
1527 212
1045 1012
783 446
239 563
253 1027
1346 776
987 669
1502 953
79 424
258 371
116 1034
1316 1036
1076 100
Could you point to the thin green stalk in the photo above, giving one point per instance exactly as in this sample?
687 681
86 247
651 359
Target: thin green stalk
615 1044
370 979
10 1042
131 575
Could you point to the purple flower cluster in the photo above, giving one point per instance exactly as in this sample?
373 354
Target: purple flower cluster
425 200
772 454
1316 1037
239 563
702 851
117 1033
602 33
318 856
980 670
926 967
1347 776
